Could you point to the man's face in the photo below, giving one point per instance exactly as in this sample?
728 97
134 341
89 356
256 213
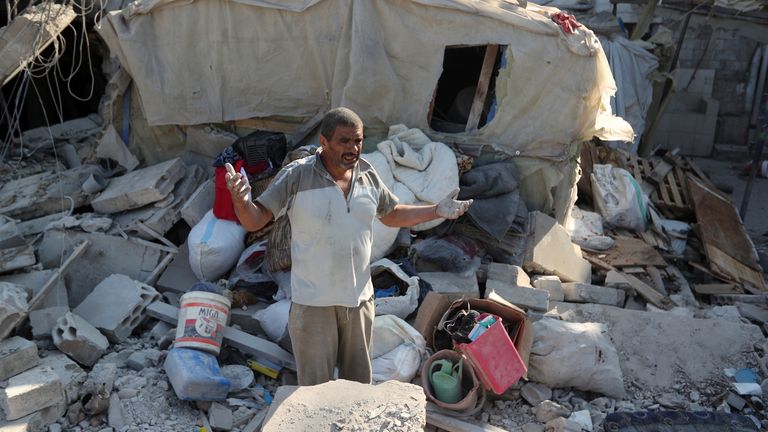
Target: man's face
342 151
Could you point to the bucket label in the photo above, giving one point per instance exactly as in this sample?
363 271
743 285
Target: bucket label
202 323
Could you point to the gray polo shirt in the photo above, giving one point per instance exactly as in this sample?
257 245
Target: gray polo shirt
331 235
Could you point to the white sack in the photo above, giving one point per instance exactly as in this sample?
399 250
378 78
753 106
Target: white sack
274 320
586 229
214 246
619 198
400 306
580 355
396 349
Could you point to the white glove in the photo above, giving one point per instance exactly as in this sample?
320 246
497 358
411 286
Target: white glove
450 208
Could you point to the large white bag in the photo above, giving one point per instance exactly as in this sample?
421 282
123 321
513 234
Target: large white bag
214 246
619 198
397 349
580 355
400 306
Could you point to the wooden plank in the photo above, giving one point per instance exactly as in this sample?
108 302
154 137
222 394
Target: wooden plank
482 87
658 282
629 251
16 258
711 289
675 191
648 293
29 34
721 230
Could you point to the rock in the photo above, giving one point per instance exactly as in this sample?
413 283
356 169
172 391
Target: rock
551 284
603 404
144 358
507 273
535 393
16 355
31 391
736 401
562 424
533 427
694 396
582 418
220 417
548 410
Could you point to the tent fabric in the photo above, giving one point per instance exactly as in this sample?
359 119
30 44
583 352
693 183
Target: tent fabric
211 61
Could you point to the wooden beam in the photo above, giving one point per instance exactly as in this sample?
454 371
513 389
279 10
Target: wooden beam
483 83
647 292
29 34
455 424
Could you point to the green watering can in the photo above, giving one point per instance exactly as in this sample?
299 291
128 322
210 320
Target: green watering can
445 378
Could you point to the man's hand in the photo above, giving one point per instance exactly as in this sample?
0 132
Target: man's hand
450 208
237 184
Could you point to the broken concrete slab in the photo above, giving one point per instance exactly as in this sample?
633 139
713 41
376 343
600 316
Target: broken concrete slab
753 312
548 410
220 417
71 375
16 258
523 297
140 187
35 226
13 306
143 359
43 320
587 293
510 274
550 251
111 146
562 424
29 34
116 306
30 391
655 347
43 194
78 339
37 421
341 402
34 281
10 234
199 203
16 355
178 276
105 256
551 284
535 393
452 283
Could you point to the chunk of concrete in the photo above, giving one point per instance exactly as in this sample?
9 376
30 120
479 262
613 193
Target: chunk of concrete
10 234
562 424
115 415
15 258
37 421
43 320
78 339
550 251
35 280
753 313
549 410
199 203
511 274
452 283
220 417
140 187
71 375
30 391
523 297
335 402
178 276
13 305
551 284
535 393
16 355
586 293
116 306
143 359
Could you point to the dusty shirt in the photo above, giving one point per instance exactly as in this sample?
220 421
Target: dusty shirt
331 235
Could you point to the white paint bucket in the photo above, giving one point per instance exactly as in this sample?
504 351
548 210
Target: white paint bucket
202 318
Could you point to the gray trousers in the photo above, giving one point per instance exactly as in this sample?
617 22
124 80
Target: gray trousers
330 336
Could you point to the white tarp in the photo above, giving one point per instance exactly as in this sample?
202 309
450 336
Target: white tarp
209 61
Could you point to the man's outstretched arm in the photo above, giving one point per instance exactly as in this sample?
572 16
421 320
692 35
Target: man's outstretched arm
252 216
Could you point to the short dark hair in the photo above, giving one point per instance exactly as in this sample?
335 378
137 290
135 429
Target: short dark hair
339 117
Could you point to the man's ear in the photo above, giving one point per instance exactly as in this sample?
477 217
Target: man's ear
323 141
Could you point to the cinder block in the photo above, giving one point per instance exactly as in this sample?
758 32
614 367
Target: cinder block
551 284
78 339
71 375
550 251
586 293
31 391
43 320
16 355
117 305
508 273
37 421
523 297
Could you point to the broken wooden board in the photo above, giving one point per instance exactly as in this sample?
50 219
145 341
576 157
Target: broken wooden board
630 252
43 194
622 278
29 34
670 194
721 230
714 289
16 258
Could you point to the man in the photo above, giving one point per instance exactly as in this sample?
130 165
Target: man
330 199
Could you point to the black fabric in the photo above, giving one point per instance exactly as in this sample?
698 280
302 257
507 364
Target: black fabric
495 191
677 421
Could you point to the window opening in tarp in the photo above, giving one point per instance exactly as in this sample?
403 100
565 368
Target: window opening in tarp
465 92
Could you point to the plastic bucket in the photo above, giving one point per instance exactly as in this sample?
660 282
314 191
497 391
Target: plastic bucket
202 318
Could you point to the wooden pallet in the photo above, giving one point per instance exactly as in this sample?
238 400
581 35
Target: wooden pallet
671 197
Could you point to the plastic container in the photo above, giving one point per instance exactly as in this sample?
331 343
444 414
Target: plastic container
202 318
470 386
495 358
195 375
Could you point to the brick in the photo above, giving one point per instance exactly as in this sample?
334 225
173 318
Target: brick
586 293
16 355
43 320
116 306
551 284
550 251
523 297
31 391
508 273
71 375
78 339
